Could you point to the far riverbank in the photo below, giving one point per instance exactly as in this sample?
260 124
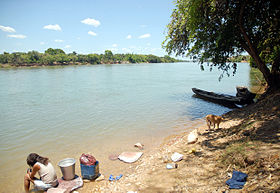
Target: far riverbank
57 57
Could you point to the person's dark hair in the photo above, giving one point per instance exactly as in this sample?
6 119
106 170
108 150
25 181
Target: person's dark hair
34 157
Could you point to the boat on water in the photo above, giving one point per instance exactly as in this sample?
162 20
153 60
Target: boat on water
224 99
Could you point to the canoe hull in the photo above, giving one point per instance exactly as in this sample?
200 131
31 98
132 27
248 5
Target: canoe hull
226 100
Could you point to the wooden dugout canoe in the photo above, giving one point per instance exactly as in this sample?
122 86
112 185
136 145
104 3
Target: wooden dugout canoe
224 99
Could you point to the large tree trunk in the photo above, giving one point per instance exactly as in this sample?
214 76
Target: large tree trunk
275 81
252 51
275 71
271 78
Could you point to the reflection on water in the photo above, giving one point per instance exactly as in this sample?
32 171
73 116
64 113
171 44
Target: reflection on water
102 109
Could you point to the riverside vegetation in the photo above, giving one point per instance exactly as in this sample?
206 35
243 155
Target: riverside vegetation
53 57
57 57
217 30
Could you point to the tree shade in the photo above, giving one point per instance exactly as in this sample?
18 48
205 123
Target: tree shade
215 30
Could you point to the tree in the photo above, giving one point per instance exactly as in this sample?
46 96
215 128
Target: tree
47 59
52 51
16 58
153 59
108 56
73 58
82 58
34 56
215 30
167 59
62 58
93 59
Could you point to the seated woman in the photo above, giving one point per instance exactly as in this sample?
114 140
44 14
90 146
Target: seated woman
45 170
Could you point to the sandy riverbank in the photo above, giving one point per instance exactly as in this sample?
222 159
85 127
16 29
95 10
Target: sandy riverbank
150 173
247 141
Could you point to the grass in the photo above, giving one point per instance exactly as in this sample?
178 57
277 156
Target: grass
237 155
257 81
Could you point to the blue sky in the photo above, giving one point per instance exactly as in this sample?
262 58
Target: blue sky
85 26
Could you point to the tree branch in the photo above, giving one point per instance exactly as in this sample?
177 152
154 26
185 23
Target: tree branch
246 47
253 51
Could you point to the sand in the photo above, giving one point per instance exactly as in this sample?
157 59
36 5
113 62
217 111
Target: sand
150 173
247 141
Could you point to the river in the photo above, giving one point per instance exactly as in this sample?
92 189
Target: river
61 112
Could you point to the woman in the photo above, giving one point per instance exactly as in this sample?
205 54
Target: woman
45 170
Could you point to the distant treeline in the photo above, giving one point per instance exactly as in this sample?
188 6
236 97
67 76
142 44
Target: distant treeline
241 58
248 59
53 57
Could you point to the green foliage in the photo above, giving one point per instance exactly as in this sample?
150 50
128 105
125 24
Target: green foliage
58 57
269 56
133 58
216 30
73 58
108 57
34 56
108 54
240 58
47 59
168 59
93 59
153 59
62 58
52 51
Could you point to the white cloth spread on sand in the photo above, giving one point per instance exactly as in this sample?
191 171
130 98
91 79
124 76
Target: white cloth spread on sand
130 157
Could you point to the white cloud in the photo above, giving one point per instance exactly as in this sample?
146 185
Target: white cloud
143 26
55 27
92 33
144 36
7 29
18 36
115 45
92 22
42 43
59 41
67 46
128 37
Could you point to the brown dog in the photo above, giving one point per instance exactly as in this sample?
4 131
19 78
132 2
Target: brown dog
213 119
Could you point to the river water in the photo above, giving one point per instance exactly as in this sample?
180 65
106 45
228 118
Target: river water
61 112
